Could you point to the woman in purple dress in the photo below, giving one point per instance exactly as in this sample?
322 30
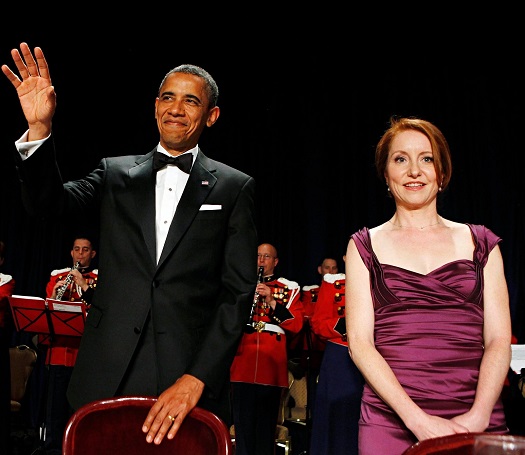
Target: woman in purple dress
427 306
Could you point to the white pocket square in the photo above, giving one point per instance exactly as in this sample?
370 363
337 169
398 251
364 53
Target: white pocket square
211 207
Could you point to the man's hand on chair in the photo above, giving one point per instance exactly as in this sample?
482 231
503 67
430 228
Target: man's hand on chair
172 407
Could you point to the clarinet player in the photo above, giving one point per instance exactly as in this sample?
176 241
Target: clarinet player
259 371
76 283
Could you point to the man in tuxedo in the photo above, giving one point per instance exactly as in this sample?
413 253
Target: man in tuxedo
176 250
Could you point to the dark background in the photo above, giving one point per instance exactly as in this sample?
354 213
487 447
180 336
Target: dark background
301 111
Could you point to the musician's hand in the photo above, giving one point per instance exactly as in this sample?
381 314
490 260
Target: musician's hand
263 290
36 93
171 408
56 287
79 280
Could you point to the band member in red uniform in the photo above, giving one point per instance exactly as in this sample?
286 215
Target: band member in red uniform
71 284
306 348
260 368
306 345
7 287
340 385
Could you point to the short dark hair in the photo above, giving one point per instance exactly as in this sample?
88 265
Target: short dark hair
84 236
212 88
327 256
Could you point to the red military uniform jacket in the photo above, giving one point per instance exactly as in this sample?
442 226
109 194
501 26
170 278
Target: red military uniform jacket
7 287
309 297
63 349
261 357
306 345
328 319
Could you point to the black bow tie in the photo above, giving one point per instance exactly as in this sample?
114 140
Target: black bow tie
183 162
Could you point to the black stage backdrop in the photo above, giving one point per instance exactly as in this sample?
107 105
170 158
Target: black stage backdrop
302 114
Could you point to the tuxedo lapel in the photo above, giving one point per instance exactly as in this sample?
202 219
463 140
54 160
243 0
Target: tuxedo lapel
142 187
200 183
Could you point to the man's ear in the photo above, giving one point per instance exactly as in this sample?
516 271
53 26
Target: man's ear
213 115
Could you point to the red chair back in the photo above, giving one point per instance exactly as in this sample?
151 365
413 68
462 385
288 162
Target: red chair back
114 426
459 444
453 444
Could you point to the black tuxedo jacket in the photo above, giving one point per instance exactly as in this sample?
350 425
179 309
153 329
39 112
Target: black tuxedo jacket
183 315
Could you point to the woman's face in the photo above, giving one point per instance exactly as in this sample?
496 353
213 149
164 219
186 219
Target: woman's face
410 172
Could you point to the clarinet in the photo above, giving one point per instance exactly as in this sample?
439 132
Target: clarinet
69 279
249 326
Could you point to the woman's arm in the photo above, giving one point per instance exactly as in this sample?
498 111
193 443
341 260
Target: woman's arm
497 333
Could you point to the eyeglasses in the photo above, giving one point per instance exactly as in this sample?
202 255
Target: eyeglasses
265 256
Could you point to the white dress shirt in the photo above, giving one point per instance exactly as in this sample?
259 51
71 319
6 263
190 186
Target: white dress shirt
171 182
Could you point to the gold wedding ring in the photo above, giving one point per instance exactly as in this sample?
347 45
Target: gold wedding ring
171 418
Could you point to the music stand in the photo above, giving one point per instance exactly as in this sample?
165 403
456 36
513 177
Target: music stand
48 316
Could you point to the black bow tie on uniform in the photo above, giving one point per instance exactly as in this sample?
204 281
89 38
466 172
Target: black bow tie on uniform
183 162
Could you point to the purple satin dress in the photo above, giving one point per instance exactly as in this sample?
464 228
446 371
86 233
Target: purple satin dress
429 328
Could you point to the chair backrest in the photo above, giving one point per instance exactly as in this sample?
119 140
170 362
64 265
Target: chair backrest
453 444
114 426
22 361
296 403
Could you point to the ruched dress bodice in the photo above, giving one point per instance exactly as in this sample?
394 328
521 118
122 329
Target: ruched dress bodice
429 328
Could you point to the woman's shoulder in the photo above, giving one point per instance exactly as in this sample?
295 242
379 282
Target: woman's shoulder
366 231
380 228
481 236
478 231
456 227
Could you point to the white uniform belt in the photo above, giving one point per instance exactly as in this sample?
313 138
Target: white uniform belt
273 328
266 327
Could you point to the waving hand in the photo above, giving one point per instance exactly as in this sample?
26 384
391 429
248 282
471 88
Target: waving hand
36 93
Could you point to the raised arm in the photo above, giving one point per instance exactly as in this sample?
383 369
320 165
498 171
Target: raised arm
36 93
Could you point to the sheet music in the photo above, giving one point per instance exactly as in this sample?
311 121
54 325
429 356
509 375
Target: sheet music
27 297
518 357
70 307
65 307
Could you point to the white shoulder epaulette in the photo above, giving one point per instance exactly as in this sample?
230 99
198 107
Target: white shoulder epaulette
293 287
95 271
5 279
59 271
309 288
333 277
289 283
